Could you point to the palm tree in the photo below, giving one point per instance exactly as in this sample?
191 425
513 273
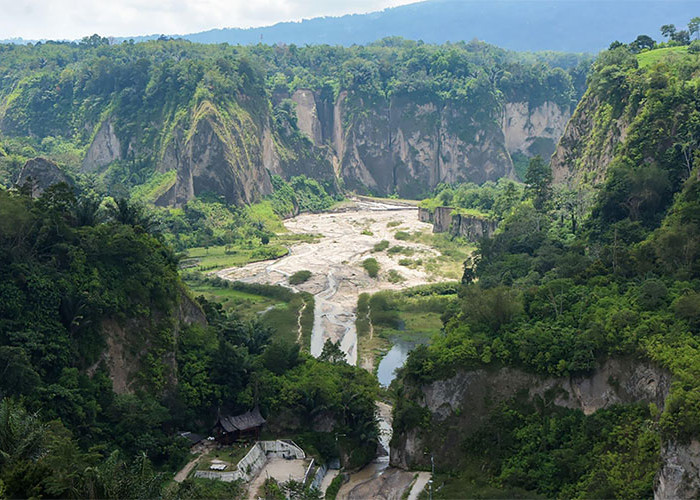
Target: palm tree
21 433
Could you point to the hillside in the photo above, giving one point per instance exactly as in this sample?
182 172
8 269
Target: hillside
393 117
569 366
105 357
531 25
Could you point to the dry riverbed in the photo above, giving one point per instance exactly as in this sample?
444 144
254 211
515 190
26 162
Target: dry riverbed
335 261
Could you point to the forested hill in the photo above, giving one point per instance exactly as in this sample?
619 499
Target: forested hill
580 281
566 25
395 116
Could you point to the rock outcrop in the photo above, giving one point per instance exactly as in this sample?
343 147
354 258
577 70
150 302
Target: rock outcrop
450 220
41 173
679 477
104 149
533 130
459 405
219 154
408 145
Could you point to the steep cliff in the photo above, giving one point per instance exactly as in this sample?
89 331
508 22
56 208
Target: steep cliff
409 144
459 405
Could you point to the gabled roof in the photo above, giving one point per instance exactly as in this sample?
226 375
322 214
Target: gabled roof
248 420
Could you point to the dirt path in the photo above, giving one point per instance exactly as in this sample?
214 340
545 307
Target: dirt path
338 278
200 450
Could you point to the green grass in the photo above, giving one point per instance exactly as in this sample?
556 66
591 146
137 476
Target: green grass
276 307
154 188
221 257
245 305
651 57
230 454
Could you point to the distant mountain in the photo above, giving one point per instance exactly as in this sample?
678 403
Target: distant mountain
526 25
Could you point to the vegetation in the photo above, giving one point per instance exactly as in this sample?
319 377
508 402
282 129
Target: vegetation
371 266
554 292
299 277
71 285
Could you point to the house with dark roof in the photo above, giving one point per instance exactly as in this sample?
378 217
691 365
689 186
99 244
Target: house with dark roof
247 426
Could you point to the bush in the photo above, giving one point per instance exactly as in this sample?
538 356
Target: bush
299 277
381 246
402 235
395 276
371 266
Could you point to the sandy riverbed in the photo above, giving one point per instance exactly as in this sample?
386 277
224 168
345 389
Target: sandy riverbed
346 239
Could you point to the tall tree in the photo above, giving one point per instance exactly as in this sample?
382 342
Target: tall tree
668 30
694 27
538 179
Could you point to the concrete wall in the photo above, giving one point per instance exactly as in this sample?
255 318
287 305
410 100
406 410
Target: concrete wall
255 460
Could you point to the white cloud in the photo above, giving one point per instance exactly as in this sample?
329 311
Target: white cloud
58 19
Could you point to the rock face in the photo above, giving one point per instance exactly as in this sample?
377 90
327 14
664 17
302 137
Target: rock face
461 404
533 131
42 173
220 155
473 228
442 219
589 143
447 220
127 344
104 149
408 145
404 144
679 477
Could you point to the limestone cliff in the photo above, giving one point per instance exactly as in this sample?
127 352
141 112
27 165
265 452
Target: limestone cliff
219 153
104 149
409 144
461 404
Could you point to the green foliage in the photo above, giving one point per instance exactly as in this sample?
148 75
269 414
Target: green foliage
491 199
299 277
381 246
371 266
565 283
300 194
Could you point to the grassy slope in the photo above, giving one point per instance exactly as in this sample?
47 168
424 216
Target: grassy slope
653 56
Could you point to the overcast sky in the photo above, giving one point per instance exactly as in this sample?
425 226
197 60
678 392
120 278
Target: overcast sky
71 19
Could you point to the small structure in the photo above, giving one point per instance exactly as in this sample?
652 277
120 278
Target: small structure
192 437
240 427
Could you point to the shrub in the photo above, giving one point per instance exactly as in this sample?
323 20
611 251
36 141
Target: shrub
371 266
299 277
402 235
381 246
395 276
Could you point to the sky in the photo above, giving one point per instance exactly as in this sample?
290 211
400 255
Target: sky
73 19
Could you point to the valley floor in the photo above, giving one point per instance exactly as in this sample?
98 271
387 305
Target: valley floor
335 260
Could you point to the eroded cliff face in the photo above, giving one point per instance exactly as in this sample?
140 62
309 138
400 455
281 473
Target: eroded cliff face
41 173
589 143
461 404
129 342
217 154
408 145
532 131
104 149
